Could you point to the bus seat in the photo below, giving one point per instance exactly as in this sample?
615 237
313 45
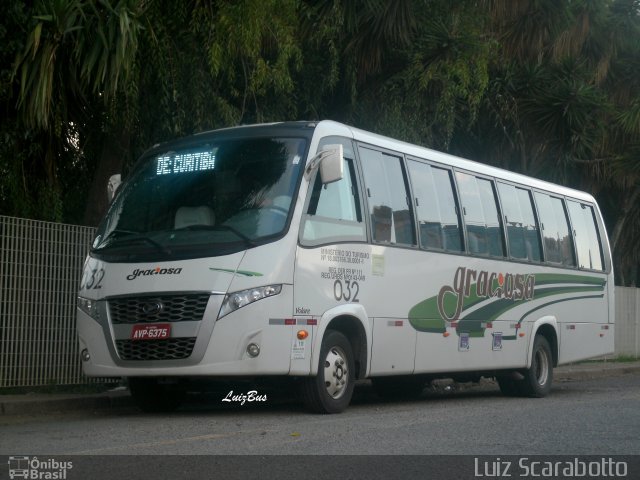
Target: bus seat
187 216
282 201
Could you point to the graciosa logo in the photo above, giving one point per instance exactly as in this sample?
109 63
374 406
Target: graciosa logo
138 272
451 298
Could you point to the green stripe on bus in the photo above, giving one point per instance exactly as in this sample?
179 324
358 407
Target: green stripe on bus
424 316
246 273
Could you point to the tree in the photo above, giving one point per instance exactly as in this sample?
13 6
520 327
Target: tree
544 87
96 76
563 105
74 67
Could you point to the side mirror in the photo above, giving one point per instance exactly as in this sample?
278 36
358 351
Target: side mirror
331 162
112 185
331 165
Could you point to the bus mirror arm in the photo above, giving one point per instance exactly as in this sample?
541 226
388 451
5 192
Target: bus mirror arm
112 185
330 160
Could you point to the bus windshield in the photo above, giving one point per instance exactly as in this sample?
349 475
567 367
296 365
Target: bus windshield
207 199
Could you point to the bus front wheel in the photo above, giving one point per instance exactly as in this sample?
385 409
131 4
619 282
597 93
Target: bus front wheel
330 391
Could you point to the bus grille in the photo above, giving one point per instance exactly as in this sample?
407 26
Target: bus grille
163 308
167 349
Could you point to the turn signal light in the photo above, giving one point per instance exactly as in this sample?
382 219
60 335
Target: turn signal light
302 334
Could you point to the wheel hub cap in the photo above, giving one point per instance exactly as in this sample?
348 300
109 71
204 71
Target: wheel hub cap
336 374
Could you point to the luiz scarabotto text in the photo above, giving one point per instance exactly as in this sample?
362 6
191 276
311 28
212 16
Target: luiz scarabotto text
540 467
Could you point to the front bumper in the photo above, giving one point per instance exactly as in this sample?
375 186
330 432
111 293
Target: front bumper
219 349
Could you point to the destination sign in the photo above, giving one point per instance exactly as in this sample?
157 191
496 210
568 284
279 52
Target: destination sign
183 162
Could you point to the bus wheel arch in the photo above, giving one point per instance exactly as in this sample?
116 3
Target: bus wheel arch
536 378
331 389
548 331
341 358
539 376
352 328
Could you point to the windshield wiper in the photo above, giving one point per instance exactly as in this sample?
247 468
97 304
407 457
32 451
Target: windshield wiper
127 234
221 227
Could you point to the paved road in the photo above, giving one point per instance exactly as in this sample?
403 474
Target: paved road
600 417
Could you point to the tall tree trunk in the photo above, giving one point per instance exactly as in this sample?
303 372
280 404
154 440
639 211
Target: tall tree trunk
616 233
629 201
110 162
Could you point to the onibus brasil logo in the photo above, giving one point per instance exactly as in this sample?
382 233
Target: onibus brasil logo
34 468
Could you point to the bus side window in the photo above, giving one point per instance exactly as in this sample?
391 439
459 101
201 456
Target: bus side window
586 235
555 230
484 228
435 207
334 212
522 228
387 189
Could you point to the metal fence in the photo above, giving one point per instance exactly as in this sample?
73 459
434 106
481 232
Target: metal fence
40 266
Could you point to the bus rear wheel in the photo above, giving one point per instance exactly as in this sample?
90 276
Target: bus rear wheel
536 380
330 391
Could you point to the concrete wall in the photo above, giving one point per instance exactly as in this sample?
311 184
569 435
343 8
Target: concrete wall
627 341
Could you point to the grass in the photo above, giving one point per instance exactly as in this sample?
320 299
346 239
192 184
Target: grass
624 358
618 359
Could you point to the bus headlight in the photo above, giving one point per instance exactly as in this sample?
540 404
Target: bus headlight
90 307
236 300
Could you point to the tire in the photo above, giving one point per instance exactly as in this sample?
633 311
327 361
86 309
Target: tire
151 396
396 388
536 380
330 391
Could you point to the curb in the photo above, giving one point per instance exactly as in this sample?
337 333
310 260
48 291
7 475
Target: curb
572 373
43 404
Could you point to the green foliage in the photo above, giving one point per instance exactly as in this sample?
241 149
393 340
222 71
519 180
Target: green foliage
450 68
74 48
545 87
253 53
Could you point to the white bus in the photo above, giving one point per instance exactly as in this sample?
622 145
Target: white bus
330 254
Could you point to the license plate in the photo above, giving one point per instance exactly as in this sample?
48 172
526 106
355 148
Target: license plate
156 331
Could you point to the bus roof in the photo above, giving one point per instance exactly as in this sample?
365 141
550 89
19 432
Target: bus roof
329 127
